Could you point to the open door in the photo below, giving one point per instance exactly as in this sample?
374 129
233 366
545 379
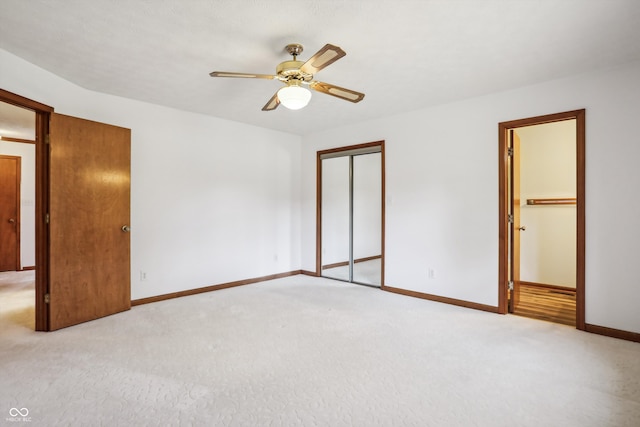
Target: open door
515 228
89 212
509 229
9 213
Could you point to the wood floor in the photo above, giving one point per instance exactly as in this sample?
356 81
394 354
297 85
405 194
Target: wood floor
554 305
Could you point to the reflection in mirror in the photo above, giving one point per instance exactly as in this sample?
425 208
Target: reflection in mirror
367 219
335 218
351 217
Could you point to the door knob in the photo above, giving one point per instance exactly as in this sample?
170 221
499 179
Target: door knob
126 228
523 228
12 221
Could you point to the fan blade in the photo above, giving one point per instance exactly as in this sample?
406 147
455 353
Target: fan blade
243 75
340 92
272 104
324 57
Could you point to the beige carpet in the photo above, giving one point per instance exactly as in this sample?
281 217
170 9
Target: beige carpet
304 351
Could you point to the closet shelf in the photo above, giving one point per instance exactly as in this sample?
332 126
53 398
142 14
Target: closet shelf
558 201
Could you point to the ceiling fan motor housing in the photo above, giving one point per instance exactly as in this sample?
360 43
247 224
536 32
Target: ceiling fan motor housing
289 70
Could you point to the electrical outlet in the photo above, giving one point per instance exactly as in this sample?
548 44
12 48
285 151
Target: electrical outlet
143 276
432 273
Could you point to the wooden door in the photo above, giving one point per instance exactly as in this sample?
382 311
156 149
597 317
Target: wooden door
9 213
516 229
89 204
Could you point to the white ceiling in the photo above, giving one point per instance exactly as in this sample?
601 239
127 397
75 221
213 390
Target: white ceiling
403 54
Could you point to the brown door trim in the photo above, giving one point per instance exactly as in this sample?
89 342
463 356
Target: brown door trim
503 250
42 201
380 144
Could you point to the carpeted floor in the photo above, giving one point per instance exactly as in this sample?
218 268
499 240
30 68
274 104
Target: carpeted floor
305 351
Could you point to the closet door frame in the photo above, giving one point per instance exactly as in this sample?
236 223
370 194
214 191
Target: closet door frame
358 149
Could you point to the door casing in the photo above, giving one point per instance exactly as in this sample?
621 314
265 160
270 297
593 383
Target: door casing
503 225
41 200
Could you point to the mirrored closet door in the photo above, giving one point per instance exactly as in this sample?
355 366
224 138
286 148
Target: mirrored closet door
351 214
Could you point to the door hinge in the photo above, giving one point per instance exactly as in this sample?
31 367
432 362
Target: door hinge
47 299
47 140
510 219
510 285
46 218
510 151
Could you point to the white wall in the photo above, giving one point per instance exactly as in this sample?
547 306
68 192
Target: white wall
548 170
442 190
27 153
212 201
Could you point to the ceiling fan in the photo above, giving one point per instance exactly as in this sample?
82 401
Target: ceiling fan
297 74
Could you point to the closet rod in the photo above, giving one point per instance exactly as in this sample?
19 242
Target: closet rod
559 201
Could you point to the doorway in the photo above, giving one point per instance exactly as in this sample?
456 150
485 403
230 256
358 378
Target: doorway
542 228
82 211
17 214
350 233
17 187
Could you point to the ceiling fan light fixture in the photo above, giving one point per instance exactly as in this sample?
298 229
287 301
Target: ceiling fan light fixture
294 73
293 96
